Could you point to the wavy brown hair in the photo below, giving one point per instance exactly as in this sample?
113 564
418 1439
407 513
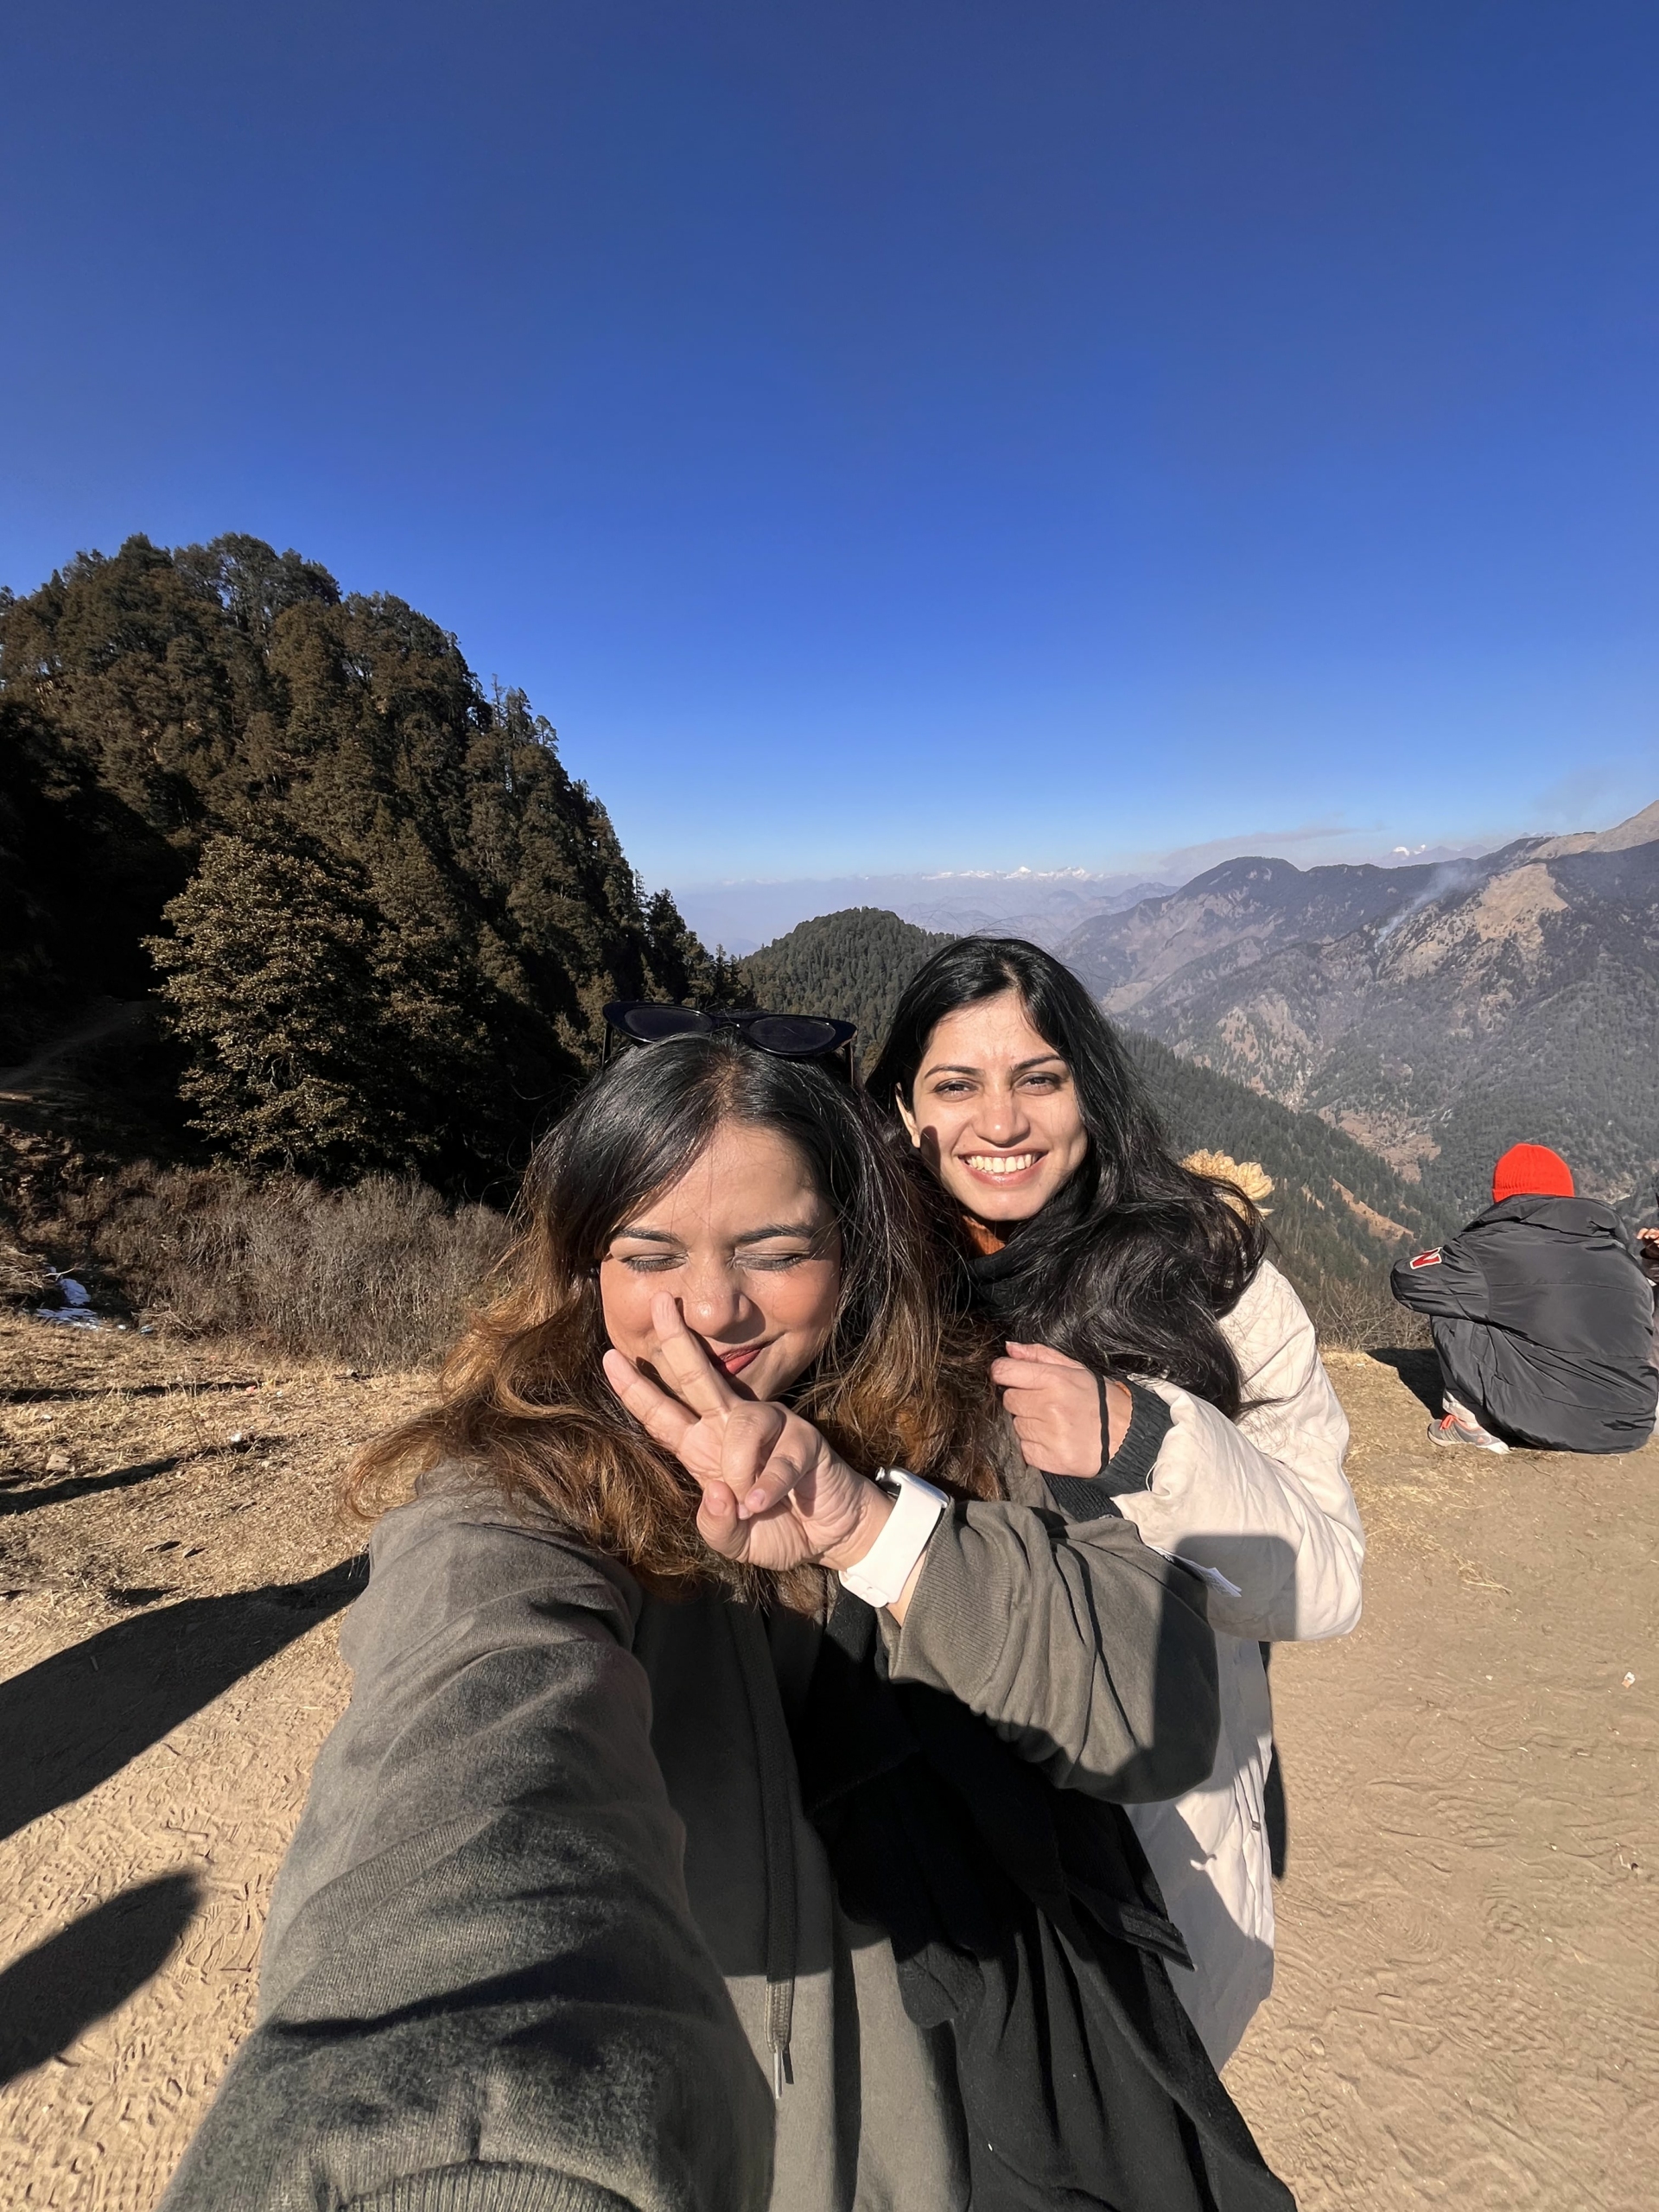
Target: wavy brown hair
522 1404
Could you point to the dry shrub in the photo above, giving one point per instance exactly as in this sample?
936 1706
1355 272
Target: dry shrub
379 1274
1363 1315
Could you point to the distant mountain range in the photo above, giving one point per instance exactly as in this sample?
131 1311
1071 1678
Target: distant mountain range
1437 1014
1046 904
1337 1210
1420 1019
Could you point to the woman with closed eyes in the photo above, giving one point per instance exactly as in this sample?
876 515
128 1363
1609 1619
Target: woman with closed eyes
729 1810
1154 1366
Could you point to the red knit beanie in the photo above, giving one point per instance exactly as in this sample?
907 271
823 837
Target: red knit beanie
1531 1170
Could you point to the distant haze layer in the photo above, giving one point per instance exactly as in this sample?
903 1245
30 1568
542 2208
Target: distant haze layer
1046 904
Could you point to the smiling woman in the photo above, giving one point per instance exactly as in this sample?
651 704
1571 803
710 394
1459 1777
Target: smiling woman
755 1193
745 1245
720 1720
1154 1361
994 1109
1019 1096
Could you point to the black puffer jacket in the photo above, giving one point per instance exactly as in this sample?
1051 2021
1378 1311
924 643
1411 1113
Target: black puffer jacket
1543 1321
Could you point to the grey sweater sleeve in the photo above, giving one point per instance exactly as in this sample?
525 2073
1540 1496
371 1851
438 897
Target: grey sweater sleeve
482 1989
1089 1652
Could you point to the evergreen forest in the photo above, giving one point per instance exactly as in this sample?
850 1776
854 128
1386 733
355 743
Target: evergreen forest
852 966
381 916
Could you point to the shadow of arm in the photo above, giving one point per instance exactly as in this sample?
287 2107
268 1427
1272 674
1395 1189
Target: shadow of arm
55 1992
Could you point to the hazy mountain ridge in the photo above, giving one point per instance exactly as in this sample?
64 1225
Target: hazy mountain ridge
1047 906
1338 1209
1237 912
1437 1015
1048 914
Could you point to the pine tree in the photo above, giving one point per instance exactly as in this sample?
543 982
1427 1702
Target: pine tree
270 976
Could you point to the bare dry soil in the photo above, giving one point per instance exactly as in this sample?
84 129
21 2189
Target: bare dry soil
1465 2010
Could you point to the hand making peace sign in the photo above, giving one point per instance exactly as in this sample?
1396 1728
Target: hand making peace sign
773 1492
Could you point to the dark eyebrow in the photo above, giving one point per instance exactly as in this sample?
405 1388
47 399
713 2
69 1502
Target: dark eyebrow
749 1236
960 1067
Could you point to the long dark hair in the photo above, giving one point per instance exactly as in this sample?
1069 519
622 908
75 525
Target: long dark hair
1131 1264
523 1402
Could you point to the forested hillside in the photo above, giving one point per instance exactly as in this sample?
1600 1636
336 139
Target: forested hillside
852 965
381 915
1337 1209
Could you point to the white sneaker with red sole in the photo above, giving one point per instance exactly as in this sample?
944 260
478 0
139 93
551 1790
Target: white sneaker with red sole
1458 1426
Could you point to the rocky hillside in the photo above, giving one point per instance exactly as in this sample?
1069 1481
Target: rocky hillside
1229 919
1337 1210
1435 1015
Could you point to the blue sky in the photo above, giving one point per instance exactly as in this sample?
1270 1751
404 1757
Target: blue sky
896 436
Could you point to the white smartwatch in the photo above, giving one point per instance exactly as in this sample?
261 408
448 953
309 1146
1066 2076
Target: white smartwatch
881 1574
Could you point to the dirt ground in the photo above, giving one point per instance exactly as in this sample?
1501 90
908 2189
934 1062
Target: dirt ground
1465 2011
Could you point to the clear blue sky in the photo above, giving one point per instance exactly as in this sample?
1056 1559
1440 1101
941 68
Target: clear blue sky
936 433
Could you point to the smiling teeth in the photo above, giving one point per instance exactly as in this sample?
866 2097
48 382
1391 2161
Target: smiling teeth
1001 1163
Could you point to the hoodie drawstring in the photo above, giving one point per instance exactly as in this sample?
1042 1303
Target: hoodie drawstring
774 1761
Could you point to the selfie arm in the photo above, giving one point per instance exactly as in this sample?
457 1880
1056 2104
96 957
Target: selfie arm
480 1966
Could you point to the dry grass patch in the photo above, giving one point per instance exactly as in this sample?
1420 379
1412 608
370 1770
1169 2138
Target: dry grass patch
378 1276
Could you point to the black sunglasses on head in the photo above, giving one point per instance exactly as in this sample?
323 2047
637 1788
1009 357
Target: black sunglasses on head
785 1036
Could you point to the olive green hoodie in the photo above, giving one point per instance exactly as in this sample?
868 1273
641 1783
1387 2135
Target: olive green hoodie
554 1935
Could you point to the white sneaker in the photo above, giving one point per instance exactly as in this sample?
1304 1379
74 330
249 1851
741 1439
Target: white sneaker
1458 1426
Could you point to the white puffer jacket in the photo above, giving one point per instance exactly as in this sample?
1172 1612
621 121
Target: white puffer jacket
1265 1504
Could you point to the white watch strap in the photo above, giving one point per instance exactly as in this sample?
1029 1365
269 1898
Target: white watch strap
882 1573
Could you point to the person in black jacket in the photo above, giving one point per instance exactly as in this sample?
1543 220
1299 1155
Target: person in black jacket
1542 1318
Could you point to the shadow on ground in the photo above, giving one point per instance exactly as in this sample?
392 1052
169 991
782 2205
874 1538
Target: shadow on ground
1420 1370
29 1394
76 1718
26 1501
50 1995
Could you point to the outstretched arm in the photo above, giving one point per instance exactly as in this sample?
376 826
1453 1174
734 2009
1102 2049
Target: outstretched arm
482 1987
1088 1651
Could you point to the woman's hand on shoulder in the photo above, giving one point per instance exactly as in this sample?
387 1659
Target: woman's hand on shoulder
1055 1405
774 1493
